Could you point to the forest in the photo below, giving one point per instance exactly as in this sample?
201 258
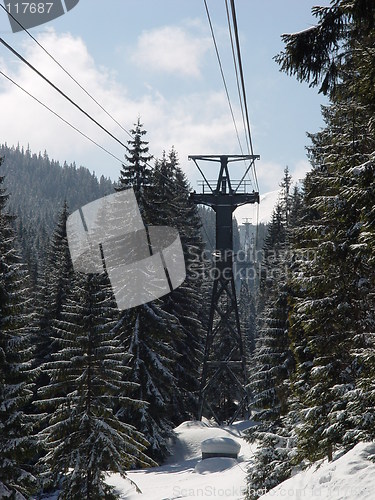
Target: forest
87 389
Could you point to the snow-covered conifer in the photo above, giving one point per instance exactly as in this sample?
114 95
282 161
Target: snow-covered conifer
16 326
84 437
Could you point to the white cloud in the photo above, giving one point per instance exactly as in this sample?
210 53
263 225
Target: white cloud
25 121
172 50
269 175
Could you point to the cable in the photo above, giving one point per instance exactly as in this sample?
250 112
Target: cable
237 79
65 70
238 68
60 117
238 87
235 27
96 102
181 187
87 93
11 49
238 84
222 72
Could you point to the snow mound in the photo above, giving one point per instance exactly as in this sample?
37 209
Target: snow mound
223 445
217 464
348 477
189 436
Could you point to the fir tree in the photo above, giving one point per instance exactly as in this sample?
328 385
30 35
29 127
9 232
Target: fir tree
273 360
54 285
136 173
316 54
39 187
146 333
330 324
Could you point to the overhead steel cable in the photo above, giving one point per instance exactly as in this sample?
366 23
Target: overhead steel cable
59 116
239 89
237 77
67 72
25 61
239 60
181 187
222 73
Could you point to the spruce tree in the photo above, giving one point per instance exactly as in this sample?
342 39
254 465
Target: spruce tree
53 287
147 331
173 207
16 443
330 323
136 173
84 439
273 360
316 55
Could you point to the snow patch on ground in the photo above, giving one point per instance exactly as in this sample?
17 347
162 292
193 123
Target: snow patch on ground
348 477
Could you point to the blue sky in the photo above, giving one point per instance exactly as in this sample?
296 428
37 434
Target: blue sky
156 60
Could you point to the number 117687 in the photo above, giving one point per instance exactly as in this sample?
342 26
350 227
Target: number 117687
29 8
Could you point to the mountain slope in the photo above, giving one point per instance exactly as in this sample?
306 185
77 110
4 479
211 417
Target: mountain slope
38 188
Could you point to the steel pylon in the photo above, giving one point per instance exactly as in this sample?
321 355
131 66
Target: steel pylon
223 393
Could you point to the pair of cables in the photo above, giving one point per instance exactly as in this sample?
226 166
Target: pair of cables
239 74
55 87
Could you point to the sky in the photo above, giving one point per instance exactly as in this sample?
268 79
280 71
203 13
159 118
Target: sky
156 61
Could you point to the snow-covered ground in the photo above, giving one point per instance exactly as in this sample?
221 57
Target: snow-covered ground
348 477
186 476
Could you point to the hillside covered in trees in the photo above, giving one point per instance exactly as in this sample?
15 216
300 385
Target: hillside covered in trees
38 188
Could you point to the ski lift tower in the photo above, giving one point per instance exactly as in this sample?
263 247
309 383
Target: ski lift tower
223 393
